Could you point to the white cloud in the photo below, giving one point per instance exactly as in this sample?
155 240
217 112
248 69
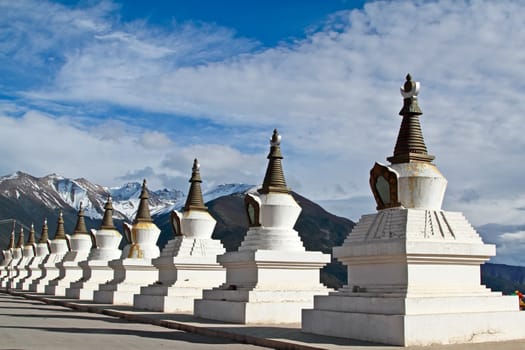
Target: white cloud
334 96
509 248
40 144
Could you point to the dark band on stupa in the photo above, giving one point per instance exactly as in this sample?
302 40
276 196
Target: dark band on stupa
107 220
143 214
274 178
195 200
60 232
44 237
20 242
80 228
410 145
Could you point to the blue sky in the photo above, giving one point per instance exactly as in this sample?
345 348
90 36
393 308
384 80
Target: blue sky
117 91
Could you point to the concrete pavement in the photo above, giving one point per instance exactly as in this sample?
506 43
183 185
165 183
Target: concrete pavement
278 337
31 324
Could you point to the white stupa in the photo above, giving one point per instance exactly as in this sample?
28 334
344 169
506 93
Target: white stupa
7 255
42 250
59 247
414 269
11 258
28 253
188 263
95 270
69 270
135 269
271 277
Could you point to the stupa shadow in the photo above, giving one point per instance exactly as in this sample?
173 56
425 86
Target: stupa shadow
295 334
167 334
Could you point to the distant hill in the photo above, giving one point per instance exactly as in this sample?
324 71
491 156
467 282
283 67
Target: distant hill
504 278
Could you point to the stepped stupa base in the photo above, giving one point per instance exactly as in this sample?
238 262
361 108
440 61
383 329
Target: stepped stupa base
193 275
183 277
95 273
70 272
264 286
417 321
181 302
34 273
49 273
129 275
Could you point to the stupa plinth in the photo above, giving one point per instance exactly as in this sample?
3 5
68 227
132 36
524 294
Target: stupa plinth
188 263
42 250
59 246
271 277
135 269
11 258
28 253
69 270
413 268
95 270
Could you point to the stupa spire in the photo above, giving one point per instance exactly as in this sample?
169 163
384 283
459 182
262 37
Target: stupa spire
80 228
20 242
410 145
274 178
12 238
195 200
143 214
31 238
44 237
60 232
107 220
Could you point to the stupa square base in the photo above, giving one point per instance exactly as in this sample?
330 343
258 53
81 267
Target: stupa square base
95 273
39 285
255 306
180 303
251 312
417 330
192 276
129 276
58 287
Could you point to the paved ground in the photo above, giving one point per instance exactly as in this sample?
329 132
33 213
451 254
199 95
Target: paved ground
29 324
25 316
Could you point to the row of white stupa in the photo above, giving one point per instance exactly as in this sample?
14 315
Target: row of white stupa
413 269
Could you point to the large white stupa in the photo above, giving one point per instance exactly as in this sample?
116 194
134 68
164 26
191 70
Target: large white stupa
188 263
413 268
271 277
96 269
135 268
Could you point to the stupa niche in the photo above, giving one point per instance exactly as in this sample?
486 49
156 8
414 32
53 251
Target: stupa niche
96 270
413 269
271 277
135 268
69 270
188 263
59 247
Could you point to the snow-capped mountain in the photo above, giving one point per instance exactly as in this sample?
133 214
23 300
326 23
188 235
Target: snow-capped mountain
54 191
